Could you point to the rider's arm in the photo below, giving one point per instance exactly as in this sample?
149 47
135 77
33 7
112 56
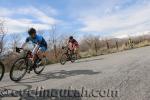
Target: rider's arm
27 40
23 45
68 43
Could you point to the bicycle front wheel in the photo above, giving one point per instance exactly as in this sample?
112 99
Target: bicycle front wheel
63 59
18 69
2 70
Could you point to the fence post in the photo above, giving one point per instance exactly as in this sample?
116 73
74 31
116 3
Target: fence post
107 44
55 51
117 45
96 48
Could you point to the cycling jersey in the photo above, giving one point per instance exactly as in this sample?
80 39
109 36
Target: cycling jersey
38 40
74 42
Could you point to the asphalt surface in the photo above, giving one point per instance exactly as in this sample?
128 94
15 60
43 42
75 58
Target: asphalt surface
119 76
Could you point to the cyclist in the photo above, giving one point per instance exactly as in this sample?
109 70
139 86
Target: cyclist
73 45
41 44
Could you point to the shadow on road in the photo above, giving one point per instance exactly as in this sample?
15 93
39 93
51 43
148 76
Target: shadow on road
39 94
88 60
57 75
26 86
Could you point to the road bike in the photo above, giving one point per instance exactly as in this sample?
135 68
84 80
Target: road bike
68 55
26 64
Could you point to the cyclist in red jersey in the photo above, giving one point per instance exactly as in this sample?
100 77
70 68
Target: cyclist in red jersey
73 44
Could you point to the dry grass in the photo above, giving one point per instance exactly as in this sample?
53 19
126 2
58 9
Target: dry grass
143 43
104 51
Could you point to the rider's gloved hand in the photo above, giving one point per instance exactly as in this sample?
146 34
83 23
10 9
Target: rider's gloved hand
63 47
18 49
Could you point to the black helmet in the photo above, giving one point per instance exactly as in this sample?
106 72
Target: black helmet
71 37
31 31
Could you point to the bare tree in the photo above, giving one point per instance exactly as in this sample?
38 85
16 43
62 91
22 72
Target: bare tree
54 40
15 41
2 35
90 42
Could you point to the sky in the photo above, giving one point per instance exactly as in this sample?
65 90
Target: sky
116 18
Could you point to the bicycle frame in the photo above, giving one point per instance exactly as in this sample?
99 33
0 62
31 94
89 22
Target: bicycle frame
67 52
29 55
68 56
29 65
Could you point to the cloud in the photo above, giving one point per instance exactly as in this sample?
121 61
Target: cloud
116 21
115 17
5 12
121 18
19 26
27 17
39 15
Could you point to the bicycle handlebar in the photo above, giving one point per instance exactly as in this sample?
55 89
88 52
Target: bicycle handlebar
18 49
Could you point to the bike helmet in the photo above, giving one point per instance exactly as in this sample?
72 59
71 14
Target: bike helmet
31 31
71 37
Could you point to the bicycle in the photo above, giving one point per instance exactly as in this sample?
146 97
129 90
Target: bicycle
68 55
2 70
25 64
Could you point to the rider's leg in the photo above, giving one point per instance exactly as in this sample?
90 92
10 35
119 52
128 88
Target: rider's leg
76 51
75 48
41 52
70 46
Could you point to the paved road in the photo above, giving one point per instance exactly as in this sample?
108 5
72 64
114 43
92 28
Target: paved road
119 76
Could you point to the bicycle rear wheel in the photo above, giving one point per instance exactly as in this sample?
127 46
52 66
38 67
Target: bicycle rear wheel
39 68
73 58
2 70
18 69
